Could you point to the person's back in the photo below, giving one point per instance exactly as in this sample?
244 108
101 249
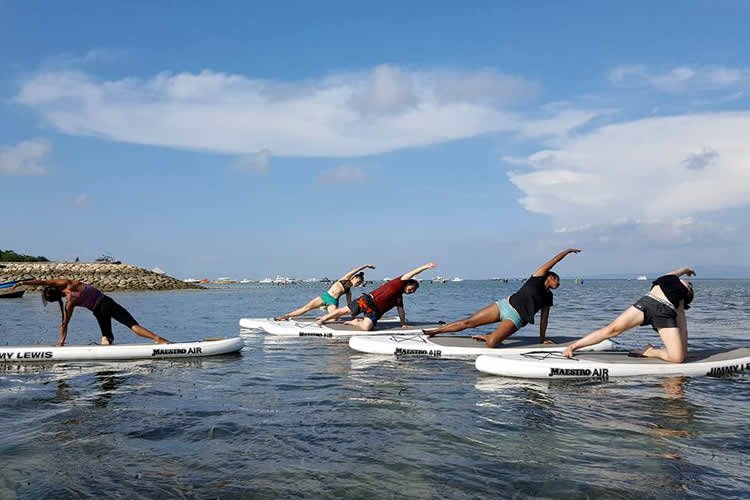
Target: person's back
388 296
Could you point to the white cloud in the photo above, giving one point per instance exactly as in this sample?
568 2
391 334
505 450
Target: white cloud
678 79
343 115
343 175
254 163
25 158
651 170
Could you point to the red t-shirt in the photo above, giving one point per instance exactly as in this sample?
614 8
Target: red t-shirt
388 296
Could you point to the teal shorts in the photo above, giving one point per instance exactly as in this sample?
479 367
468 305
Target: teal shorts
507 311
328 299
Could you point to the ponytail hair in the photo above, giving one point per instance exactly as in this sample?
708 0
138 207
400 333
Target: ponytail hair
53 294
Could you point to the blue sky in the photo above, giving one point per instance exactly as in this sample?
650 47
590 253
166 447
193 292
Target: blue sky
306 138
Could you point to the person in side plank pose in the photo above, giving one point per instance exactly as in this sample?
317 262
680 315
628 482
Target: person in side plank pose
663 308
516 311
330 299
381 300
102 306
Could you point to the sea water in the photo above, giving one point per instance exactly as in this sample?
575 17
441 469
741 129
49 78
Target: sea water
308 417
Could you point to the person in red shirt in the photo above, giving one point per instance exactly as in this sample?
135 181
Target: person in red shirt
516 311
381 300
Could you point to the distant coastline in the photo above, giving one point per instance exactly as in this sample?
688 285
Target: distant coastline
105 276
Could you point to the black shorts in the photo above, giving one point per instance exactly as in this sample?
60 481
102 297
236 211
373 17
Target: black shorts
366 306
656 314
106 311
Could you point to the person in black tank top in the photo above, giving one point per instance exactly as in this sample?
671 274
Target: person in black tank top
663 308
516 311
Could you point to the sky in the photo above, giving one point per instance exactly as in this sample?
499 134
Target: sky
251 139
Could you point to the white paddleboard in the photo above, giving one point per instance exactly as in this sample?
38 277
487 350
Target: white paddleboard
299 329
449 346
259 323
605 365
95 352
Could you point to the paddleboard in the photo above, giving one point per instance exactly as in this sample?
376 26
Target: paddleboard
9 290
299 329
450 346
605 365
259 323
96 352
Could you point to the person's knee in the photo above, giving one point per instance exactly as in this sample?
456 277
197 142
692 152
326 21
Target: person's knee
676 357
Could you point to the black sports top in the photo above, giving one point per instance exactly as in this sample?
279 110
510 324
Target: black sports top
532 296
347 284
674 290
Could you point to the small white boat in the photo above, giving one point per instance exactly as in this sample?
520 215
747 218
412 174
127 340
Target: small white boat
642 277
457 279
245 281
266 281
191 280
386 279
439 279
283 280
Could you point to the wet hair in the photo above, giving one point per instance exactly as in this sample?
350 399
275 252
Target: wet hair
553 274
412 282
359 275
691 294
53 294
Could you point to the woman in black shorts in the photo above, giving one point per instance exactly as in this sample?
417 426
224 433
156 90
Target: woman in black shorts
663 308
102 306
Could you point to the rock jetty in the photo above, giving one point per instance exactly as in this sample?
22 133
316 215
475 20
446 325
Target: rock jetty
105 276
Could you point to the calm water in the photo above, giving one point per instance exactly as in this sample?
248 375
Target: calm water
310 418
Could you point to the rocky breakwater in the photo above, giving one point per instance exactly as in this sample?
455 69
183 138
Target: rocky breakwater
104 276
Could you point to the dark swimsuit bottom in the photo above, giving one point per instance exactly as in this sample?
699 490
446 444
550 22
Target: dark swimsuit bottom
106 311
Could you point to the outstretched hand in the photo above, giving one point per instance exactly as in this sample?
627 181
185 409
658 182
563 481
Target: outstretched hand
430 265
568 352
573 250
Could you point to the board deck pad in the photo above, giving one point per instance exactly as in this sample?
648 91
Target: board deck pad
455 346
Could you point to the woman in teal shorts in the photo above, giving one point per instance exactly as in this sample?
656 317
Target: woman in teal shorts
330 299
516 311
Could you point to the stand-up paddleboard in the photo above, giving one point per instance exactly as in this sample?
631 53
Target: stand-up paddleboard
299 329
457 346
96 352
605 365
259 323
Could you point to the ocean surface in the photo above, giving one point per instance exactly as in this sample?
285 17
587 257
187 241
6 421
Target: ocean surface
308 417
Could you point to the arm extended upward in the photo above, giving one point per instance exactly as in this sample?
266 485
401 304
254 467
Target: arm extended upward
554 260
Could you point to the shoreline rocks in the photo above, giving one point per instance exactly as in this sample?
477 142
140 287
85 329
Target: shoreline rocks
104 276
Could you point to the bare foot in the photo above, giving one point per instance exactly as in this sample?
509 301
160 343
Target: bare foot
640 353
548 341
480 338
280 318
430 333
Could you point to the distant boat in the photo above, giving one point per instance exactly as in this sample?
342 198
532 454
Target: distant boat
325 280
191 280
266 281
439 279
224 280
311 280
245 281
387 279
642 277
457 279
283 280
7 290
204 281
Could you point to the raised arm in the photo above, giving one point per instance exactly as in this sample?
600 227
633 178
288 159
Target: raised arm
418 270
355 271
683 270
57 283
554 260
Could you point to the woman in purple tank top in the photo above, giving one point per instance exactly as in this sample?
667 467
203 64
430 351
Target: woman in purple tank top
102 306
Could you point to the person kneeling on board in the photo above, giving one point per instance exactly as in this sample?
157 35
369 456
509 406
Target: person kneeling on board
516 311
102 306
663 308
330 299
381 300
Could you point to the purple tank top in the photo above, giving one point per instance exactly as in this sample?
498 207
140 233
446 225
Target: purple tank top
88 298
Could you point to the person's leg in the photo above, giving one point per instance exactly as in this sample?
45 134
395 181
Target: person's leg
120 314
313 304
484 316
675 346
629 318
364 324
334 315
105 325
505 329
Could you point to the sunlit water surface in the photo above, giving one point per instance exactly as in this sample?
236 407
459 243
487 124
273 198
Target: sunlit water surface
309 417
